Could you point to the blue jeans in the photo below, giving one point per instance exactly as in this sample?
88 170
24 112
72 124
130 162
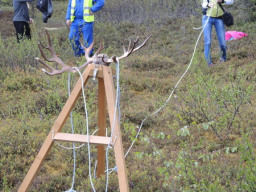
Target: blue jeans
220 30
78 27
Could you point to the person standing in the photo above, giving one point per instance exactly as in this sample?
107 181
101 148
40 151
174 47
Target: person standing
80 18
214 13
21 19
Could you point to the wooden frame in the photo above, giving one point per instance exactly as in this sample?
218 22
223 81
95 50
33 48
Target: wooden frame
106 97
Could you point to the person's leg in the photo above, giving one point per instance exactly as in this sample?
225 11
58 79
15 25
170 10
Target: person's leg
27 30
220 30
207 38
19 27
74 36
88 35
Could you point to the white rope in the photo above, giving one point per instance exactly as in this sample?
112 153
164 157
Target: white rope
87 127
68 148
71 121
95 167
74 150
74 147
172 90
159 109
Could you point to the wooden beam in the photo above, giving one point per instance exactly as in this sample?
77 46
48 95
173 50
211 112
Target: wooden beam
68 137
117 137
102 116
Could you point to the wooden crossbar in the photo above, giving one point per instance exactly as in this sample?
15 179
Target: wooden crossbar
68 137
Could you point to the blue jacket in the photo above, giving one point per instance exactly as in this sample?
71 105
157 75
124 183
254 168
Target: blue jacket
21 10
97 5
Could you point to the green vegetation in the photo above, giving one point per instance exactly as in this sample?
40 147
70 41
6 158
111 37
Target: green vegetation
203 139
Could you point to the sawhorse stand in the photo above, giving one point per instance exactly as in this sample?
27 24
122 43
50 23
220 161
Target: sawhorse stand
106 97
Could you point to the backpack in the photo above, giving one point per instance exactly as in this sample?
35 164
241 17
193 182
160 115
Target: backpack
45 6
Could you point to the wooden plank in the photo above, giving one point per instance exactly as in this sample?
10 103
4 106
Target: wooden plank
102 114
118 146
78 138
60 121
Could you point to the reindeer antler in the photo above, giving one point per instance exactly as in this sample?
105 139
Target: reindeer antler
54 58
131 48
100 59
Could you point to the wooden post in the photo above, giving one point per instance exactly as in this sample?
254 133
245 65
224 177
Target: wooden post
101 125
117 138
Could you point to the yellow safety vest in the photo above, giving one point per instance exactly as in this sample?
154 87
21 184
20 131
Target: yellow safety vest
87 6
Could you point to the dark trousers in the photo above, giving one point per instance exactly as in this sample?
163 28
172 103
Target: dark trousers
22 28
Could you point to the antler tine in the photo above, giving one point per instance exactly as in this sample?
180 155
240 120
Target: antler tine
49 39
54 58
124 49
100 48
127 52
144 43
130 42
49 67
40 46
54 71
87 51
132 49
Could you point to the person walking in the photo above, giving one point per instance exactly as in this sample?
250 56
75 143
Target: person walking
21 19
214 13
80 18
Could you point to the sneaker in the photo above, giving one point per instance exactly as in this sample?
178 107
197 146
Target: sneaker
210 64
222 60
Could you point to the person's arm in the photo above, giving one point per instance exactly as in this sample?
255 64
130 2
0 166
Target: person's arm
30 20
98 4
68 14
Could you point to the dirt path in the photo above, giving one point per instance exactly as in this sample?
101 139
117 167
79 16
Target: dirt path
6 25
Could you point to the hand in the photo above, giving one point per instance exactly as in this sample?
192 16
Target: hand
68 22
210 4
30 21
91 12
